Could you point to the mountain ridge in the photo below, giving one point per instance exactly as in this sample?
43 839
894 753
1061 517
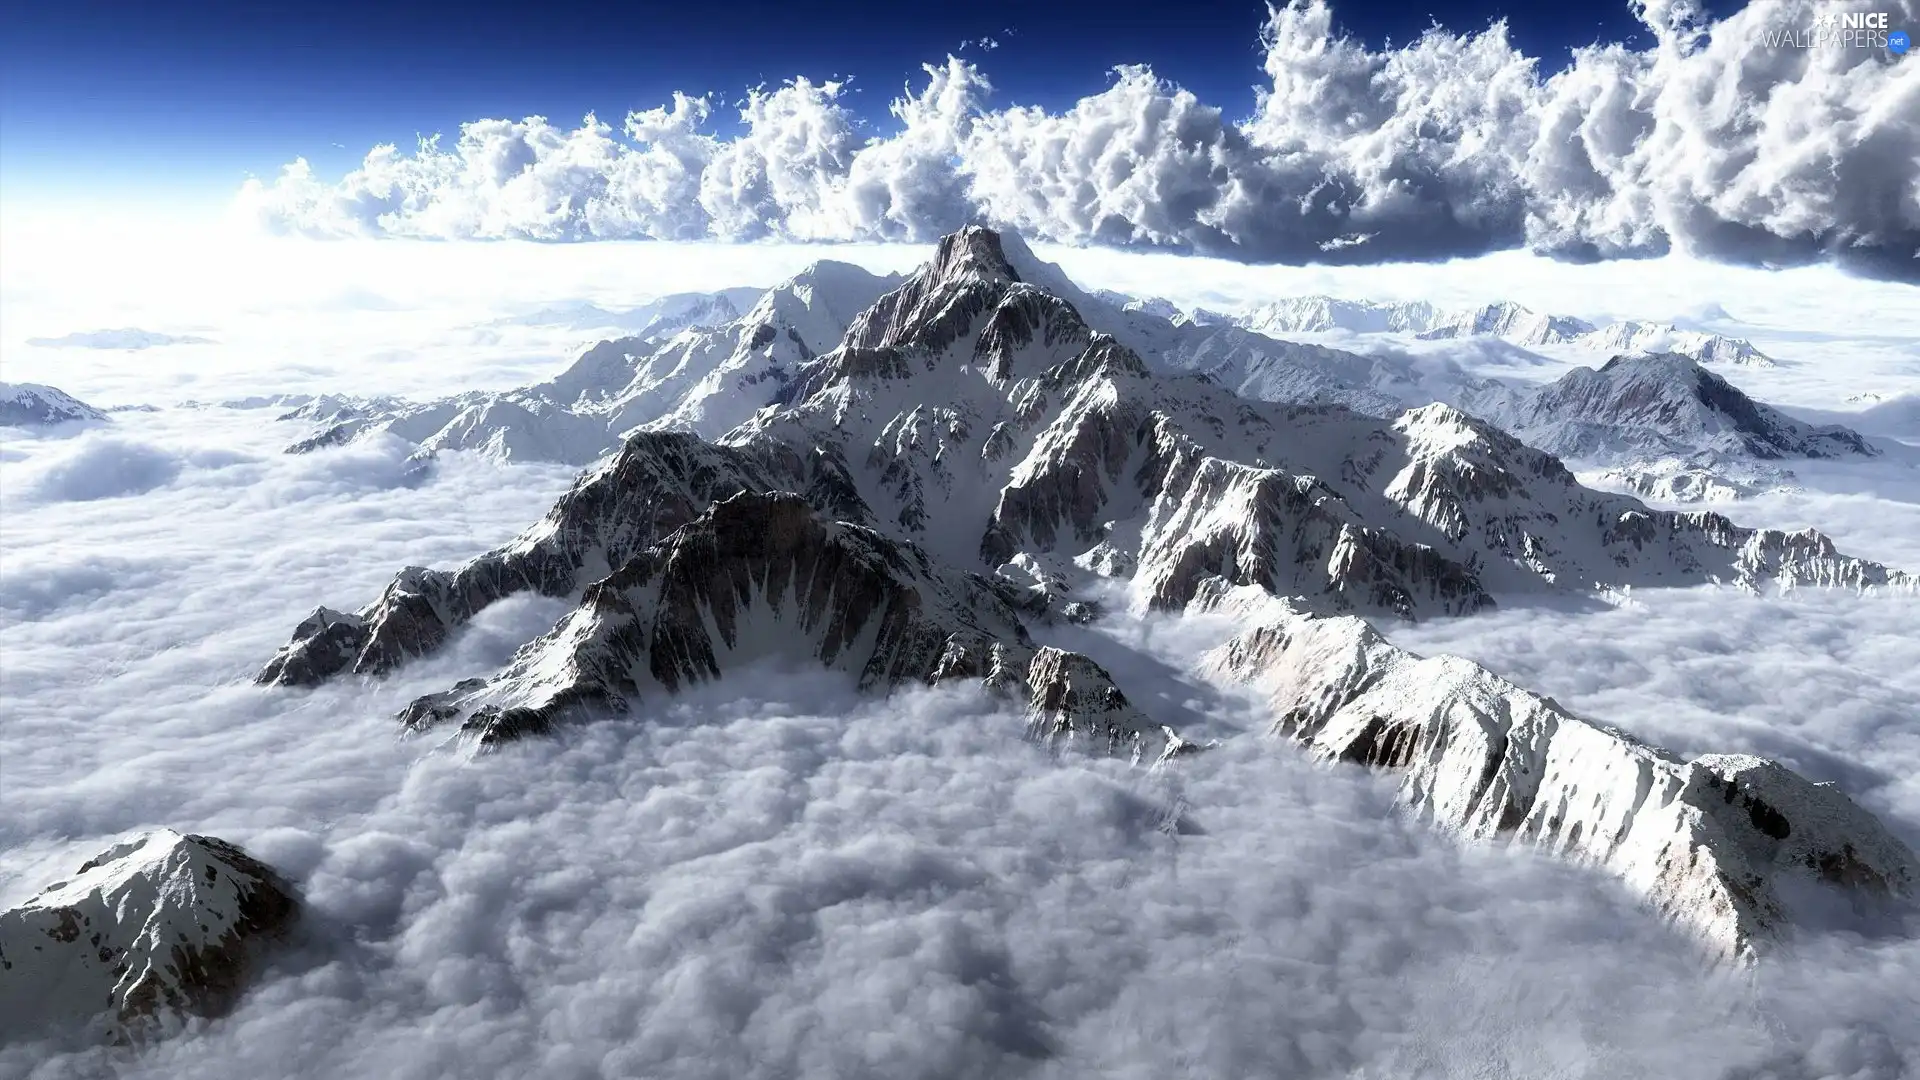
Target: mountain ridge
970 457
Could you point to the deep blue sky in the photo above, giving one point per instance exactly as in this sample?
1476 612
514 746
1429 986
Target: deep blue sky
184 100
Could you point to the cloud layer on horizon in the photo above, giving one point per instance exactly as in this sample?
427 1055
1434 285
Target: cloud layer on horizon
1708 142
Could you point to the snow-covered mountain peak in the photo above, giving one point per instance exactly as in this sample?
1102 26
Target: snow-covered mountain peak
38 405
1317 314
973 253
150 931
820 301
1664 405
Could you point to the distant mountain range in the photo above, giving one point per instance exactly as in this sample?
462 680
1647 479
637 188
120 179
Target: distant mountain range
1506 321
704 365
123 338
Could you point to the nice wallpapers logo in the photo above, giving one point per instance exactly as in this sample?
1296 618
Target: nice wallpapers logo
1846 30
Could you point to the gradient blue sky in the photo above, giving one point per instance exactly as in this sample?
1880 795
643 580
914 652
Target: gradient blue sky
178 103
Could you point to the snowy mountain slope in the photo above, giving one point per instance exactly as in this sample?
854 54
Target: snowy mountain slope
1317 314
700 367
35 405
1666 404
761 576
1724 845
1670 454
1667 426
1056 455
152 930
657 483
1636 336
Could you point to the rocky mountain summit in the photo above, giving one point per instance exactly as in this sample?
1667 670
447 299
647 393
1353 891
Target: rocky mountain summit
151 931
36 405
1725 845
1668 405
705 363
1669 427
922 498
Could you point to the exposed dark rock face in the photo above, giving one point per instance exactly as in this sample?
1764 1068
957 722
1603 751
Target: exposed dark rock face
757 576
150 932
657 484
765 576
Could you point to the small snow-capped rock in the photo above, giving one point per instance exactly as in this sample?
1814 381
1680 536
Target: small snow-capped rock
37 405
1072 701
1721 845
151 931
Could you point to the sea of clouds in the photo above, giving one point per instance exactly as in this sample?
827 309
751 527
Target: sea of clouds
1707 141
780 877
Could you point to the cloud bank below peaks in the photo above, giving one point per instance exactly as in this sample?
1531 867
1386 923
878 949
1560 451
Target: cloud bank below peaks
1709 142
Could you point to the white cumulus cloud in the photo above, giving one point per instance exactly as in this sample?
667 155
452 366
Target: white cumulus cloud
1711 141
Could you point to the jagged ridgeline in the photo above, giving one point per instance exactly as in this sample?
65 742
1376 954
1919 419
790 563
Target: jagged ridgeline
911 503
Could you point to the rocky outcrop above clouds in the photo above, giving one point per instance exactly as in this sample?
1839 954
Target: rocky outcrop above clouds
976 415
1724 845
658 483
1664 427
1665 405
766 577
32 405
150 932
975 450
